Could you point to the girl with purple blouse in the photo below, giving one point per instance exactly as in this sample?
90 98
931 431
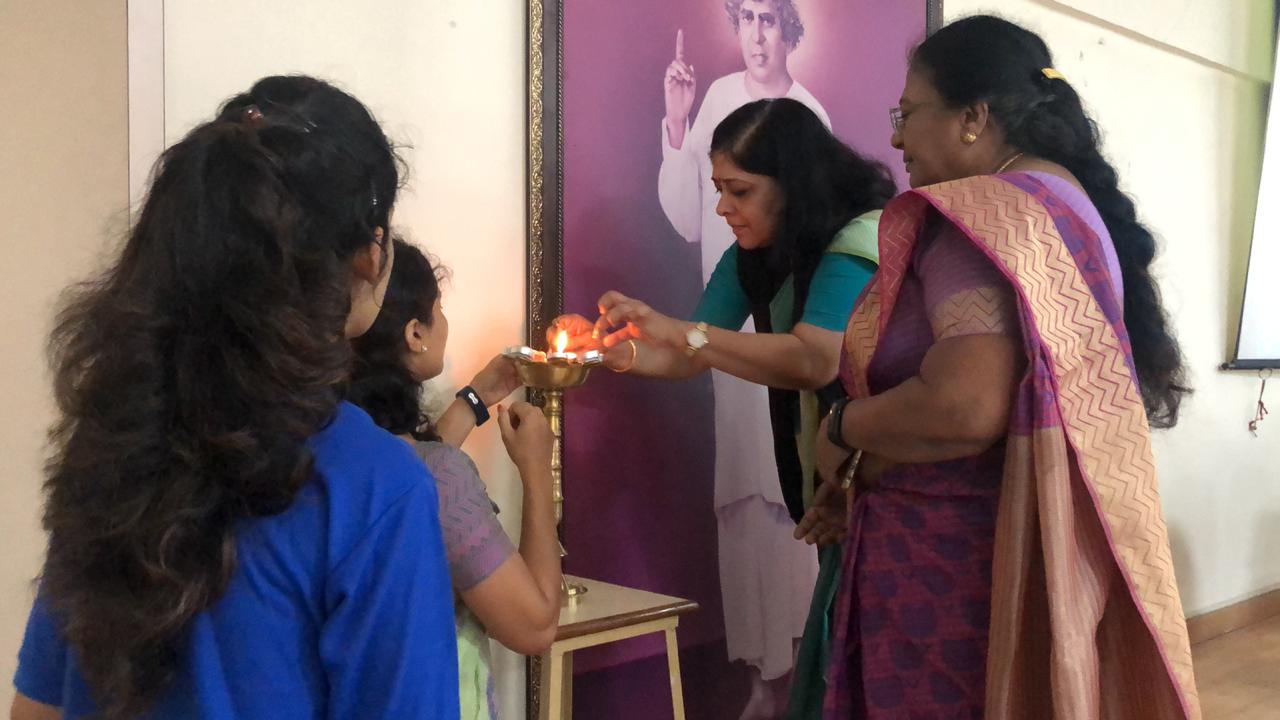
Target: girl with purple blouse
510 595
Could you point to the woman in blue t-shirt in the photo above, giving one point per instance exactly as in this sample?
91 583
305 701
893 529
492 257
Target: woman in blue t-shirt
804 209
227 539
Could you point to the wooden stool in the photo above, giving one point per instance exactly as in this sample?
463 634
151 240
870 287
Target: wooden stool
607 613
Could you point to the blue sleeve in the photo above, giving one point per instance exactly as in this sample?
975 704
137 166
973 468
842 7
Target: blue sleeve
42 661
724 304
835 288
388 642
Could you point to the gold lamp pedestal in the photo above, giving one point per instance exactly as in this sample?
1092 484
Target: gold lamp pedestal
552 374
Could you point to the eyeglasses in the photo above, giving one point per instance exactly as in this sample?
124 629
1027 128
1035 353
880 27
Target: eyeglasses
896 119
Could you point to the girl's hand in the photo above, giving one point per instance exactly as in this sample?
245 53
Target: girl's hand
528 437
497 380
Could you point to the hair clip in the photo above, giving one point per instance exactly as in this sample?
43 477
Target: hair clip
1052 74
298 122
252 116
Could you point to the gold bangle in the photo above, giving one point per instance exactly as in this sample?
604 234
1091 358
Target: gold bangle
852 469
635 353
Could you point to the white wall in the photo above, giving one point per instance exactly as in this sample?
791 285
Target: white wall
447 80
1179 89
1211 30
63 189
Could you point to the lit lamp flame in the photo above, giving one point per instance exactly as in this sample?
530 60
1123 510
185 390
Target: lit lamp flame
562 341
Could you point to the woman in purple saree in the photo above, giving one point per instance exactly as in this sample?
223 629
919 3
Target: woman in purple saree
1004 551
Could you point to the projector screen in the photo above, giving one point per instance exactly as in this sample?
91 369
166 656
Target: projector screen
1258 345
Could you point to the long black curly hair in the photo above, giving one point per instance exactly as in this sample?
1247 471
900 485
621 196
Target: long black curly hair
986 58
189 374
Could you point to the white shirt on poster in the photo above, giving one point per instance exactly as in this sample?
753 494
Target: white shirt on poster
684 181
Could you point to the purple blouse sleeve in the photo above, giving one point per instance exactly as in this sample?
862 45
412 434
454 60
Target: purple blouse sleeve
474 541
964 292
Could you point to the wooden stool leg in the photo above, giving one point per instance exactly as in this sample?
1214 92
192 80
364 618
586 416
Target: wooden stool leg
568 686
673 668
544 679
553 686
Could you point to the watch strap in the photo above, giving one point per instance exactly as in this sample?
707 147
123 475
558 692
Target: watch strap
469 396
835 427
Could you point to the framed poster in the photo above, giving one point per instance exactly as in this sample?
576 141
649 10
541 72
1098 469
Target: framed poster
620 198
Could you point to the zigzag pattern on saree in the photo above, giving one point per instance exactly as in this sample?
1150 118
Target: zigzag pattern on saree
1101 405
982 310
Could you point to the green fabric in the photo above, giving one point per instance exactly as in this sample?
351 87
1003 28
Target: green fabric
849 262
724 303
807 442
830 303
809 683
474 674
858 243
829 306
843 272
854 272
850 255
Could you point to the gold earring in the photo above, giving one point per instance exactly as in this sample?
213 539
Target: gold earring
970 138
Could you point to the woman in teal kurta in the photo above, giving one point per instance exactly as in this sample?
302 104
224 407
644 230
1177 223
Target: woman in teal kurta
845 268
804 209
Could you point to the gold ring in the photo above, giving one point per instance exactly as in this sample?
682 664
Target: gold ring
635 353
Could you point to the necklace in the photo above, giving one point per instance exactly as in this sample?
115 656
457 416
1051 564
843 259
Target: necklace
1012 159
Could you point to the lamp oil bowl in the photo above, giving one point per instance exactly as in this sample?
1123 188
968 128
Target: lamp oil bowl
553 371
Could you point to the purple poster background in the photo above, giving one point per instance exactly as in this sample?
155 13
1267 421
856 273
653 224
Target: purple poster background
639 453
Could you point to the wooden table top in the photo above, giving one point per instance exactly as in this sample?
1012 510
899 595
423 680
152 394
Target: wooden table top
606 606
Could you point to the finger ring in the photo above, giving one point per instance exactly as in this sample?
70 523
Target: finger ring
635 353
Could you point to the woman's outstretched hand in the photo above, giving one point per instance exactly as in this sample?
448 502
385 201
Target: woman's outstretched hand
579 331
584 335
623 318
